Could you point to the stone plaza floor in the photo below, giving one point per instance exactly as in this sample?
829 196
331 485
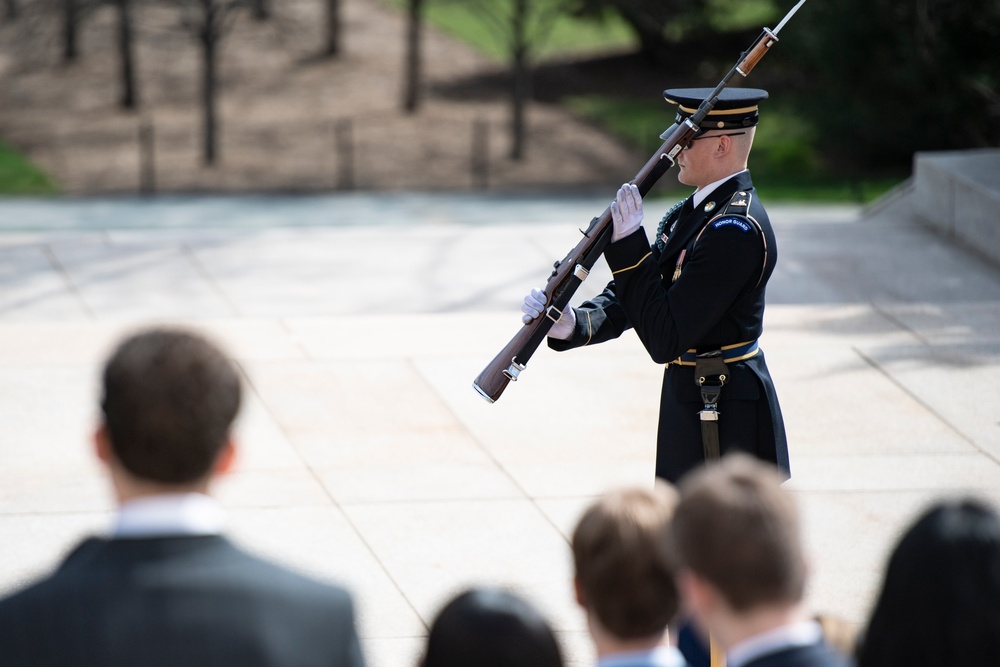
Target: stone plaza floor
360 322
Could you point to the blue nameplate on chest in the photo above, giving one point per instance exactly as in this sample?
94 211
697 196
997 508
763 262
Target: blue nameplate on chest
729 221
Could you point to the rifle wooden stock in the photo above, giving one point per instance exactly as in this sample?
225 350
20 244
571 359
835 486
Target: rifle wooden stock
494 378
573 269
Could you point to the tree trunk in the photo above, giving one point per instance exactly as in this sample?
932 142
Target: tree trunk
332 27
70 15
130 97
411 96
209 41
520 79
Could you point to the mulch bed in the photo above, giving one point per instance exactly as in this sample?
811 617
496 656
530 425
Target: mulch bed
290 120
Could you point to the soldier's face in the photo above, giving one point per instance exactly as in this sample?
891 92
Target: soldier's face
696 163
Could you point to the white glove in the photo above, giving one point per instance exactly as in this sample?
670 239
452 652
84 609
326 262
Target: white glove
534 305
626 211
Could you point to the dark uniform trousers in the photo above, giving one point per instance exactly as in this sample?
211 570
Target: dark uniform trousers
701 287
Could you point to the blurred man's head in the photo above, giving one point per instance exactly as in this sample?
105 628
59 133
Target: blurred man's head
170 399
737 539
623 571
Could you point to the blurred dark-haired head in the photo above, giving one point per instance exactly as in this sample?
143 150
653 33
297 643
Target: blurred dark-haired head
170 398
490 627
940 599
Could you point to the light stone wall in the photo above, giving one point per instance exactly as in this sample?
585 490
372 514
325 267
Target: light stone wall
958 194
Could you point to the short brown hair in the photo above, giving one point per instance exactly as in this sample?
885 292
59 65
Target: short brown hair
622 562
170 398
736 528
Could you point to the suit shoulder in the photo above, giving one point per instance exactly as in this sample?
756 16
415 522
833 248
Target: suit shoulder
278 578
38 591
819 654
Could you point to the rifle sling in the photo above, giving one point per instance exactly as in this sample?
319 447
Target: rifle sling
565 293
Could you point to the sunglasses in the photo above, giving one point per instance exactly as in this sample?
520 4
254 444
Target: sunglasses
713 136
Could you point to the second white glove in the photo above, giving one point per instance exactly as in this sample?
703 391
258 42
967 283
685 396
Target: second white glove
534 305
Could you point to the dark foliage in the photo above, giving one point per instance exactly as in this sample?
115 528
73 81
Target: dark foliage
650 20
887 78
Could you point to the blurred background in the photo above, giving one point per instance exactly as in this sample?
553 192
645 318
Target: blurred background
105 97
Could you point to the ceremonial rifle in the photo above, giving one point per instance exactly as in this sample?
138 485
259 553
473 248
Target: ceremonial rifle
573 269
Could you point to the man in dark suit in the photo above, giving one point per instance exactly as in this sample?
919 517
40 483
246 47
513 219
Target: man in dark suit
736 539
167 588
696 297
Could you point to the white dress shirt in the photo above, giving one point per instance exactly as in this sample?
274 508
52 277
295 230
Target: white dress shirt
168 515
661 656
701 194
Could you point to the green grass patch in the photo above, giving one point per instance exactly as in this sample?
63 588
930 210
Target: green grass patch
18 176
569 35
638 122
728 15
832 190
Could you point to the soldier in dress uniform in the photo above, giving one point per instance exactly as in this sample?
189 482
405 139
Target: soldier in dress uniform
696 296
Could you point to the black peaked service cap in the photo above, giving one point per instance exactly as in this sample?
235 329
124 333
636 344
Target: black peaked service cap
736 108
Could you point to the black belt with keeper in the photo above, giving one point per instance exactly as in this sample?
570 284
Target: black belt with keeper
711 374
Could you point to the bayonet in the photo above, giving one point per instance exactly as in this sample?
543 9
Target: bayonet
788 16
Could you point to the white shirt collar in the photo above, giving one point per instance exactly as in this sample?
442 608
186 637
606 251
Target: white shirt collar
701 194
803 633
661 656
169 514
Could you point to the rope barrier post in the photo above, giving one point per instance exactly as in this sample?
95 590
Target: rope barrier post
147 158
344 148
480 154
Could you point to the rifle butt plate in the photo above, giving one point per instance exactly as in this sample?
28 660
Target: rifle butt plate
482 393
